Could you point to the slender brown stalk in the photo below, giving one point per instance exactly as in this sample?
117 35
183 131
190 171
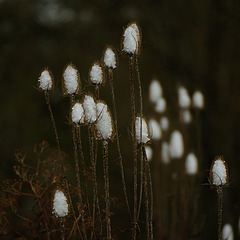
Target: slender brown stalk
120 161
62 229
46 95
77 170
106 186
220 210
133 109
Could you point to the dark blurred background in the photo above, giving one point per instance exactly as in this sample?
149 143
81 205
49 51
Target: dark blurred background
193 43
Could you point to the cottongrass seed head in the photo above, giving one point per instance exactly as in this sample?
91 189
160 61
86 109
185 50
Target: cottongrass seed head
131 41
109 58
161 105
176 145
164 123
77 114
149 153
96 75
154 129
45 81
155 91
184 100
165 153
60 204
143 137
218 172
89 106
104 124
186 116
191 164
227 232
198 100
71 80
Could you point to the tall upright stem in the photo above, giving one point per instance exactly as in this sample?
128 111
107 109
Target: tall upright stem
220 210
106 186
110 73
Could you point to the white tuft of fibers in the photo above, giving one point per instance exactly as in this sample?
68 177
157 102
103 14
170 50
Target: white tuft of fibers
191 164
149 153
71 79
186 116
161 105
144 137
104 124
164 123
155 129
131 39
155 91
78 115
90 110
60 205
110 58
184 100
45 80
219 172
96 74
165 153
227 232
176 145
198 100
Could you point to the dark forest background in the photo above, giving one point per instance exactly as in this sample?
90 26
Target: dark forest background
193 43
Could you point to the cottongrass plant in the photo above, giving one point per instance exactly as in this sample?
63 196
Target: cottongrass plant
218 179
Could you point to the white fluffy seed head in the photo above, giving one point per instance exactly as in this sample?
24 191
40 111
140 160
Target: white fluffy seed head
60 204
78 115
141 123
161 105
45 81
191 164
155 91
149 153
104 124
164 123
184 100
90 109
186 116
198 100
96 74
165 153
131 39
176 145
154 129
71 80
218 172
227 232
109 58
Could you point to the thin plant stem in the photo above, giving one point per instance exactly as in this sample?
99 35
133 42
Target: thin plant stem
220 210
120 161
62 229
141 115
106 186
77 170
46 95
133 109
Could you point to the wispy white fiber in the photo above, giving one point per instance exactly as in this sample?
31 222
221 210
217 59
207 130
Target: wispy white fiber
164 123
186 116
96 74
71 78
184 100
155 91
104 124
60 205
149 153
110 58
191 164
78 115
165 153
45 80
161 105
176 145
227 232
90 109
131 39
154 129
198 100
144 137
219 172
